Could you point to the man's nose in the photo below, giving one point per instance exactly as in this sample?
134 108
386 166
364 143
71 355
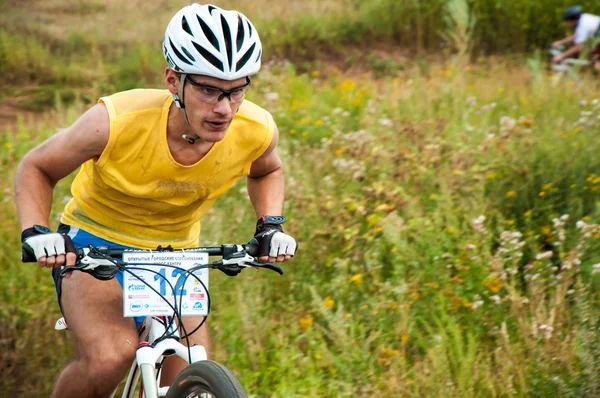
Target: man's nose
223 107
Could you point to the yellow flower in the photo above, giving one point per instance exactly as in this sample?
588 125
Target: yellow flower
542 194
319 122
510 222
511 194
305 322
8 145
586 218
315 73
404 338
292 131
363 307
304 134
491 176
341 150
432 285
328 302
493 283
356 279
451 230
394 249
527 213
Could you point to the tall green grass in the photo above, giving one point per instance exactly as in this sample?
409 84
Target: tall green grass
116 57
448 233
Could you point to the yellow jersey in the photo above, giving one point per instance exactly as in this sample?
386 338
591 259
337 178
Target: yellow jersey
136 194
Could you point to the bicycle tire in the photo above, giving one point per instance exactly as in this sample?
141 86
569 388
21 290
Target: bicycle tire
206 377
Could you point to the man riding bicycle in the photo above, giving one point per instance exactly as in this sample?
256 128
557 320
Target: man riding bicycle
152 164
586 27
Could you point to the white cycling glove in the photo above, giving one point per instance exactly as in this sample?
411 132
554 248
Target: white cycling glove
40 241
272 241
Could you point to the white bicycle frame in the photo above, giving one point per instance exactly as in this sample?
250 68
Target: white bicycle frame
147 358
567 66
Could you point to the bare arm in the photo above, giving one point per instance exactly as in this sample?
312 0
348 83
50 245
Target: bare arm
566 40
60 155
266 183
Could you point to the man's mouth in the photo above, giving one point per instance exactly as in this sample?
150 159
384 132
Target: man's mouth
217 125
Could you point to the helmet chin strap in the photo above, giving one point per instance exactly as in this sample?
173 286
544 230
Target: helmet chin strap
178 99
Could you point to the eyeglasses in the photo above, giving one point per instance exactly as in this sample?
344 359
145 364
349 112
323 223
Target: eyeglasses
212 95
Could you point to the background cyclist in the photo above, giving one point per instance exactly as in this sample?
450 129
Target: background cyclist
585 25
152 164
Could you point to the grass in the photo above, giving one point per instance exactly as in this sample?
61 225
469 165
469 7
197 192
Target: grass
447 213
436 255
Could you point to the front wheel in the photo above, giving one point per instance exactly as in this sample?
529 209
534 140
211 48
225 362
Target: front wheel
206 377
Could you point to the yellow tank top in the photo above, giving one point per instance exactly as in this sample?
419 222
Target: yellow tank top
136 194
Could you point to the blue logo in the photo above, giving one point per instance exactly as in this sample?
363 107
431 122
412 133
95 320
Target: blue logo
133 288
135 307
197 305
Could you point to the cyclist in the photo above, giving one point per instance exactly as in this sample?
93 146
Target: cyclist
585 25
152 164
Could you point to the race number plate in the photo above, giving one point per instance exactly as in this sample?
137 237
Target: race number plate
140 300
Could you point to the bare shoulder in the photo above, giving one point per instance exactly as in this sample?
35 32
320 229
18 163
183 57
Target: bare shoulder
69 148
269 161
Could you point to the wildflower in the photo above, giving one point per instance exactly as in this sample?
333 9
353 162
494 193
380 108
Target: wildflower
404 338
542 194
8 145
328 302
511 194
493 283
385 122
272 96
356 279
315 73
596 268
495 299
491 176
306 322
544 256
546 331
470 246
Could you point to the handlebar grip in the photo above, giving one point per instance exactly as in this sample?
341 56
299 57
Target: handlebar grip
252 247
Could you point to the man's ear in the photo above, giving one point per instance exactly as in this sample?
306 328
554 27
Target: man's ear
171 81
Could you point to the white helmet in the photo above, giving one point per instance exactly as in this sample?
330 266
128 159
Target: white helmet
206 40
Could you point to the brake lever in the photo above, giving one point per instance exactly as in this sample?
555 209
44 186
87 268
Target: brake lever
270 266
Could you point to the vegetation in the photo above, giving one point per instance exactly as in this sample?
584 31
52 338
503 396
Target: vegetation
449 234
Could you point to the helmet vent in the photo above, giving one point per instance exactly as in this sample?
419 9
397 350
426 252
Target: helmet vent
240 34
209 34
178 54
185 26
249 29
227 37
240 64
209 57
211 8
190 56
259 54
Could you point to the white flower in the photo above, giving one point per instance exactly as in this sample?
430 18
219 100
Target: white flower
385 122
495 298
272 96
544 255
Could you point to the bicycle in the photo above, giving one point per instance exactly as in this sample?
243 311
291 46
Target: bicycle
568 66
159 336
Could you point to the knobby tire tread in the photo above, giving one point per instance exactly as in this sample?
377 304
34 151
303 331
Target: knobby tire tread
213 376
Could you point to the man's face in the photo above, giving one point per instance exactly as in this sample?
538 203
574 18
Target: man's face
209 118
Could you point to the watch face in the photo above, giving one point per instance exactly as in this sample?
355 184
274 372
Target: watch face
41 229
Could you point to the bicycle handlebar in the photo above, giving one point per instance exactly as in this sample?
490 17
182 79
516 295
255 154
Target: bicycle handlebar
99 261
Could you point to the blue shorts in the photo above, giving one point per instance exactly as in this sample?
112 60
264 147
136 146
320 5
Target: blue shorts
82 239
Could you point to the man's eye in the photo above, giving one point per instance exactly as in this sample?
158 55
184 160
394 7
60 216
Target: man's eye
208 91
